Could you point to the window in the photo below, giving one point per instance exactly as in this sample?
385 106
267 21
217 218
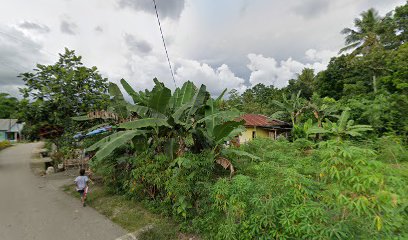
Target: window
10 136
253 134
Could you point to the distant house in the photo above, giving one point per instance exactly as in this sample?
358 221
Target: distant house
261 126
10 130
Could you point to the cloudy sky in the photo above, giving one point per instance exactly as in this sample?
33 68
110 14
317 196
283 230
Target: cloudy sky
224 43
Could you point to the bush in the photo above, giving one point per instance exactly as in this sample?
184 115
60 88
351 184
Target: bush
339 191
4 144
329 192
333 190
391 149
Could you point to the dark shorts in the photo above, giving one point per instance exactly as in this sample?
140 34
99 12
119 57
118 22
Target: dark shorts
81 192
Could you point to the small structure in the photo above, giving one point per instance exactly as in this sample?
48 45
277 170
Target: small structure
10 130
258 125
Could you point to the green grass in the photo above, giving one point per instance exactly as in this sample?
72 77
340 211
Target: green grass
4 144
128 214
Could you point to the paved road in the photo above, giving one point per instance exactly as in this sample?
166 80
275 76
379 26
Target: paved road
33 207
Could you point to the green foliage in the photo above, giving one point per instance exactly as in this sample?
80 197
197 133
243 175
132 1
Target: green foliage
333 179
168 119
366 35
391 149
342 128
8 106
4 144
303 83
61 91
364 189
333 191
292 107
170 150
106 147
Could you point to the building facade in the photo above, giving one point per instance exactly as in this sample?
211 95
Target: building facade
10 130
260 126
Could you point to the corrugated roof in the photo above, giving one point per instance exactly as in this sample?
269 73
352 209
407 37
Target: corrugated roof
259 120
7 124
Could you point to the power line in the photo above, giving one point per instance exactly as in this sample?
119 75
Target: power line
164 44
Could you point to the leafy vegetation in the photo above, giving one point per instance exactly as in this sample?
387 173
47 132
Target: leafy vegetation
8 106
4 144
342 174
58 92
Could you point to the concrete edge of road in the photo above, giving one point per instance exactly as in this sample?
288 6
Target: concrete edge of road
135 235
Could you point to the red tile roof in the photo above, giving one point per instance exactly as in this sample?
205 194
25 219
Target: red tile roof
259 120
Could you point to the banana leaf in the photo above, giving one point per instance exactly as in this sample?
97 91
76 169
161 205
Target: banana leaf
185 94
115 142
224 131
130 91
159 98
145 122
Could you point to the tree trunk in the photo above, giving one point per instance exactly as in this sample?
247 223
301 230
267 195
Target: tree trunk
374 83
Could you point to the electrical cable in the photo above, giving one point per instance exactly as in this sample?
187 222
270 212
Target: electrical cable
164 43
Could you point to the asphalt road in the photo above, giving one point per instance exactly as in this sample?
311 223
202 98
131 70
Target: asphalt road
33 207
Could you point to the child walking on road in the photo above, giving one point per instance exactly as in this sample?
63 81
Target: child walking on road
82 185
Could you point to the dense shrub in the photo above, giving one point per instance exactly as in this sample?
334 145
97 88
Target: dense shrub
173 158
339 191
333 190
4 144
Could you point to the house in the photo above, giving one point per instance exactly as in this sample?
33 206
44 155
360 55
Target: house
10 130
261 126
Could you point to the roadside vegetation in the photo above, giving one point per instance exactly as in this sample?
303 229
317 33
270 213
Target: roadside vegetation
4 144
342 174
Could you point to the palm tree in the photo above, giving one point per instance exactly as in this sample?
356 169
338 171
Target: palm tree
366 34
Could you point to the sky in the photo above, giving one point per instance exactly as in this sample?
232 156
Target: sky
232 44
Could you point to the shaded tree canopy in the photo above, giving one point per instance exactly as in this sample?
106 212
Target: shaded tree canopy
62 90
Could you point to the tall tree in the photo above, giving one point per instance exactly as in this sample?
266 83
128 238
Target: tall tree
303 83
366 34
61 91
8 106
401 22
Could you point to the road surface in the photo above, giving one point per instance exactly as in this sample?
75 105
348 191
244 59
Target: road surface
33 207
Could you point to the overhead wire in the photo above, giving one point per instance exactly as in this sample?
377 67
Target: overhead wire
164 43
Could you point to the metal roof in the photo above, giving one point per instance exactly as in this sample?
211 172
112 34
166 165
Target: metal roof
258 120
7 124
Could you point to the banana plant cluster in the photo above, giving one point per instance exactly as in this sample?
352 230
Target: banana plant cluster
342 128
186 120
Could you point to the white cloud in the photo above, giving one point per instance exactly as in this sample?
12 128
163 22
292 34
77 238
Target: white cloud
141 71
268 71
216 80
208 42
323 56
17 52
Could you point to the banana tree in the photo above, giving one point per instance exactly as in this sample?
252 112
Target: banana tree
342 128
171 120
293 106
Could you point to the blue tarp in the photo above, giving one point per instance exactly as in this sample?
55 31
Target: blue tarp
93 133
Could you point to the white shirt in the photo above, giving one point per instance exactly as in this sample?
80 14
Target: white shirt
81 182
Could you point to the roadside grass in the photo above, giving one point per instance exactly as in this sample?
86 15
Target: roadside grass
4 144
128 214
